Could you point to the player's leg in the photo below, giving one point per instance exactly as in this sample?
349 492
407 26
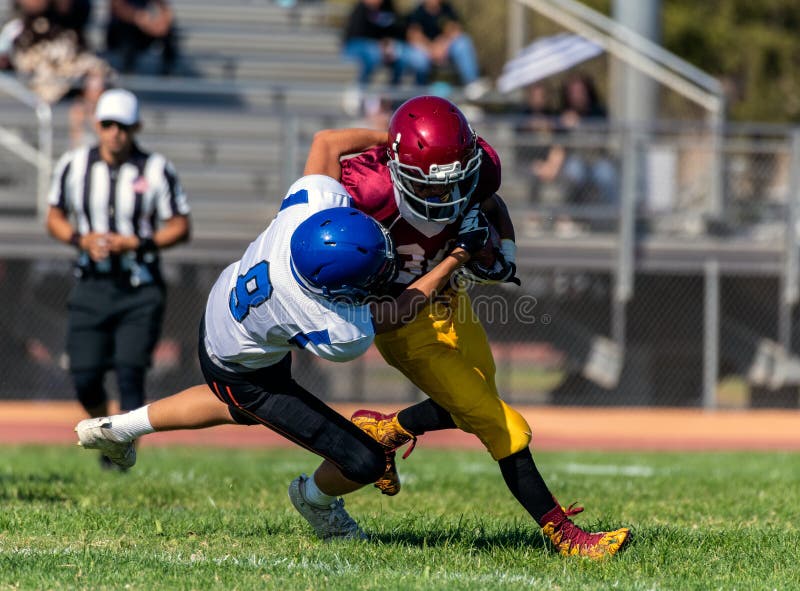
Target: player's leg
194 408
428 351
271 397
445 353
452 362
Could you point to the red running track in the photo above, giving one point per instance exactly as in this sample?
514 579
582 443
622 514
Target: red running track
553 428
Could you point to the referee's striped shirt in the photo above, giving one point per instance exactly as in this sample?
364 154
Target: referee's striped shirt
127 200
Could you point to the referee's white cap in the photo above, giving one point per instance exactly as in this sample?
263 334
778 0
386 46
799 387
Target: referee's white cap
117 105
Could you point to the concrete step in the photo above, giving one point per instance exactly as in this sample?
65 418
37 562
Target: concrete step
225 182
189 13
273 68
280 42
244 36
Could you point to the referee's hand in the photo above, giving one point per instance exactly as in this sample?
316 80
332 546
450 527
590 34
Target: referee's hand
96 244
118 243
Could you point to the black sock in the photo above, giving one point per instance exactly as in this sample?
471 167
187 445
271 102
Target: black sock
425 416
526 484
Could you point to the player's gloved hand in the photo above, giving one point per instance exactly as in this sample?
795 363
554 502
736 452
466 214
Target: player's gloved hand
502 271
474 231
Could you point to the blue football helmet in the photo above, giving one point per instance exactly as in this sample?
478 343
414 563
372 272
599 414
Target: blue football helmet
343 254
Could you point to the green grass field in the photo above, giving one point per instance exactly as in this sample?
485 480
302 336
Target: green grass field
220 519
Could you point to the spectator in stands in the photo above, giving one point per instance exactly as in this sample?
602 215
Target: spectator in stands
588 175
81 112
135 26
375 36
74 15
434 28
535 156
587 172
537 122
46 49
377 112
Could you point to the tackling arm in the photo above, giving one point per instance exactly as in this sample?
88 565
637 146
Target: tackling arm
391 314
329 145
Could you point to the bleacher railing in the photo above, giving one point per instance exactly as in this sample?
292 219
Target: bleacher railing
40 156
713 315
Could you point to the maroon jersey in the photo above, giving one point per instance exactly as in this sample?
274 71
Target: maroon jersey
366 177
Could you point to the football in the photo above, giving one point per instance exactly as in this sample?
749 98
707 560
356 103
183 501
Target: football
487 256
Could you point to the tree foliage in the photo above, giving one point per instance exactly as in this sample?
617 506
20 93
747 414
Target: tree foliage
752 47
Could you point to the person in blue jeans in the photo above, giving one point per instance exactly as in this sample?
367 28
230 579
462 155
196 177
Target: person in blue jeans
375 36
434 30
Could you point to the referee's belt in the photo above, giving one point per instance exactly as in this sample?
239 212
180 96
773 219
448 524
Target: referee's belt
136 276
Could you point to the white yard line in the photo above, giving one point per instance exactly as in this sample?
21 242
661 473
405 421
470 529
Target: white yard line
609 469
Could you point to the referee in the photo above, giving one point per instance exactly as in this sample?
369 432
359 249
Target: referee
118 206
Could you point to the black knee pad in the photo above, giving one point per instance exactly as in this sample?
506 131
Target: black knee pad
89 387
364 464
130 381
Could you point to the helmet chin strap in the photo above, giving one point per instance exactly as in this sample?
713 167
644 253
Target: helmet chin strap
423 226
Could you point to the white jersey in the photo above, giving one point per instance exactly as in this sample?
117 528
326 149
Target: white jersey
256 311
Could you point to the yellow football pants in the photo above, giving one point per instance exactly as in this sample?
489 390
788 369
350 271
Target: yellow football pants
446 354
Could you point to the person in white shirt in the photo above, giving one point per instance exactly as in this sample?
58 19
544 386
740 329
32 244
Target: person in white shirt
312 280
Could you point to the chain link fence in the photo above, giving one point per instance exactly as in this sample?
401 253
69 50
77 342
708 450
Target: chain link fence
659 261
709 318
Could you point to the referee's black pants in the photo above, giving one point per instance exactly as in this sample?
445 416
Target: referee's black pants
112 325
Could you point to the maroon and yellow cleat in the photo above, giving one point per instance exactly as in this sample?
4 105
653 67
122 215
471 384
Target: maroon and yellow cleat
571 540
386 430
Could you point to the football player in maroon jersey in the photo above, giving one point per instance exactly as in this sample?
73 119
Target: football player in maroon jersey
418 181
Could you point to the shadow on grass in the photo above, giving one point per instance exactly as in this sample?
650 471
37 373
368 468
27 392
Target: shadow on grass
475 537
512 538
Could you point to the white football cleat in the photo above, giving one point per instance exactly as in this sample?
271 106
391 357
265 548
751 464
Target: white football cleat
93 434
329 523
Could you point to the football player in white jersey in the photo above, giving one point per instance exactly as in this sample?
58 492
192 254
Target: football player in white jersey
307 282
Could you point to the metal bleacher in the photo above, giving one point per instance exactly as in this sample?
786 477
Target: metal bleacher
249 73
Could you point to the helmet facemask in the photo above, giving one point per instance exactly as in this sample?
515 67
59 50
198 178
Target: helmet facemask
443 192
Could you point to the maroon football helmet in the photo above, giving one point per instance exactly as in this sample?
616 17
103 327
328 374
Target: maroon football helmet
434 159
